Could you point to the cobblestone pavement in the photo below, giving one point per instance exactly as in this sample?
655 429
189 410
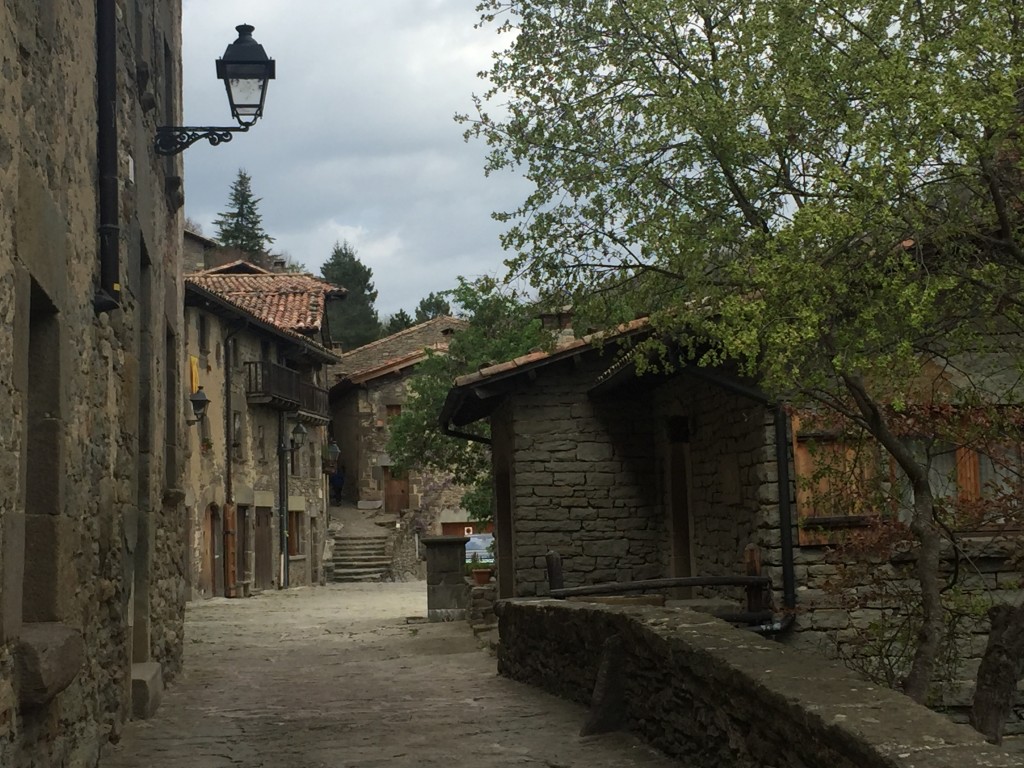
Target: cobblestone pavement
335 676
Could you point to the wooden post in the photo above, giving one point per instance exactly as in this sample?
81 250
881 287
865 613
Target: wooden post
756 597
554 566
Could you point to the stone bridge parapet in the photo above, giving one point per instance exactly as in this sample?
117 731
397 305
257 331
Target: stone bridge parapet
721 697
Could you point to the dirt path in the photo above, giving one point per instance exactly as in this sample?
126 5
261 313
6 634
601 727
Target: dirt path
335 676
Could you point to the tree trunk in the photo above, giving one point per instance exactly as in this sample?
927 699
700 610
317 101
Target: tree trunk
929 634
999 672
924 528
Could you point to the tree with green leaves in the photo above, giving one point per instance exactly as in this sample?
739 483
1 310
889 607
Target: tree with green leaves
501 326
397 322
353 321
431 306
823 196
241 226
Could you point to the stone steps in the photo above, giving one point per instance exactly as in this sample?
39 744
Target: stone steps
359 558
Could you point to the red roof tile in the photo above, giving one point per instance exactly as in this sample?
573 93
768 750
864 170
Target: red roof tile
563 349
288 300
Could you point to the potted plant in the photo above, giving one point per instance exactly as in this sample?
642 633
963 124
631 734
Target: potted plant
480 571
206 445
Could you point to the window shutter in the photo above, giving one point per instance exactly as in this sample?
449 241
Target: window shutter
832 478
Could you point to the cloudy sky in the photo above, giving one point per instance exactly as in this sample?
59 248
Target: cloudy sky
358 141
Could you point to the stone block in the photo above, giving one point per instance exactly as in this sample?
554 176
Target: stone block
48 657
147 689
49 584
12 569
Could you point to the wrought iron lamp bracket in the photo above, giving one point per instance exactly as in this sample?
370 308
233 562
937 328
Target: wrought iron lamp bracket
173 139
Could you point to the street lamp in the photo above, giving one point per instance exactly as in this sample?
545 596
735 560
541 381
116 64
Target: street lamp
298 436
333 451
246 71
200 402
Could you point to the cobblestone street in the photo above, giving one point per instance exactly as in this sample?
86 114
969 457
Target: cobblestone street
335 676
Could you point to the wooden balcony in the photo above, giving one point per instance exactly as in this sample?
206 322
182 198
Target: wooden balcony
282 388
272 384
313 401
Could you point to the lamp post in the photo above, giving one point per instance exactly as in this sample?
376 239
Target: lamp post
246 71
284 452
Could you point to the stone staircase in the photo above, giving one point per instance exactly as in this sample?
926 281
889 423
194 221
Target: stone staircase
359 558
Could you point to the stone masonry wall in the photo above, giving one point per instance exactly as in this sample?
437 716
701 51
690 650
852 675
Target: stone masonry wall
90 453
585 484
719 697
732 486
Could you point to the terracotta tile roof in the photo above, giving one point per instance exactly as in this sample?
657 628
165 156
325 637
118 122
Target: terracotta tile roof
292 301
396 351
559 351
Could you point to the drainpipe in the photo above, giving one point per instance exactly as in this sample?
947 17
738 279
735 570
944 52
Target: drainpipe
282 491
229 488
785 509
108 294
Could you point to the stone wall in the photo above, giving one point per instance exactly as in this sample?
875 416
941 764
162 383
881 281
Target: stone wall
713 695
91 458
585 483
727 464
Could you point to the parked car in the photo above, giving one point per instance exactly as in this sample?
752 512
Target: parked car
481 545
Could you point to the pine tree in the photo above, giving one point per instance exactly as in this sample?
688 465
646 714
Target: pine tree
241 226
354 321
434 305
397 322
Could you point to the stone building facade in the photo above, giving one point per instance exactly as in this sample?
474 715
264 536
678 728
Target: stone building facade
91 517
369 387
252 492
631 478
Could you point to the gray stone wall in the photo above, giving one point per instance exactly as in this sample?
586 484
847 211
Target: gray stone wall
360 428
715 696
733 491
585 483
91 452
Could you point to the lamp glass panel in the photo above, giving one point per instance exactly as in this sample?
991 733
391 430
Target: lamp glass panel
246 96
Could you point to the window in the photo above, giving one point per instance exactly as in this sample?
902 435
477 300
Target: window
293 460
204 334
237 433
837 482
261 443
843 481
980 489
296 532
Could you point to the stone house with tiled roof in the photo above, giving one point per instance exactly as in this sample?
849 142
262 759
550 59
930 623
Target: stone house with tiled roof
369 387
257 344
633 476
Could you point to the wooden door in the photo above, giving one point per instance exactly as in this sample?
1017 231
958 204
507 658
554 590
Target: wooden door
208 563
242 535
680 519
396 492
264 549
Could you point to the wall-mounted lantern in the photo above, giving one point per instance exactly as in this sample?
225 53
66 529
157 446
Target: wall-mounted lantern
200 402
299 436
246 71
